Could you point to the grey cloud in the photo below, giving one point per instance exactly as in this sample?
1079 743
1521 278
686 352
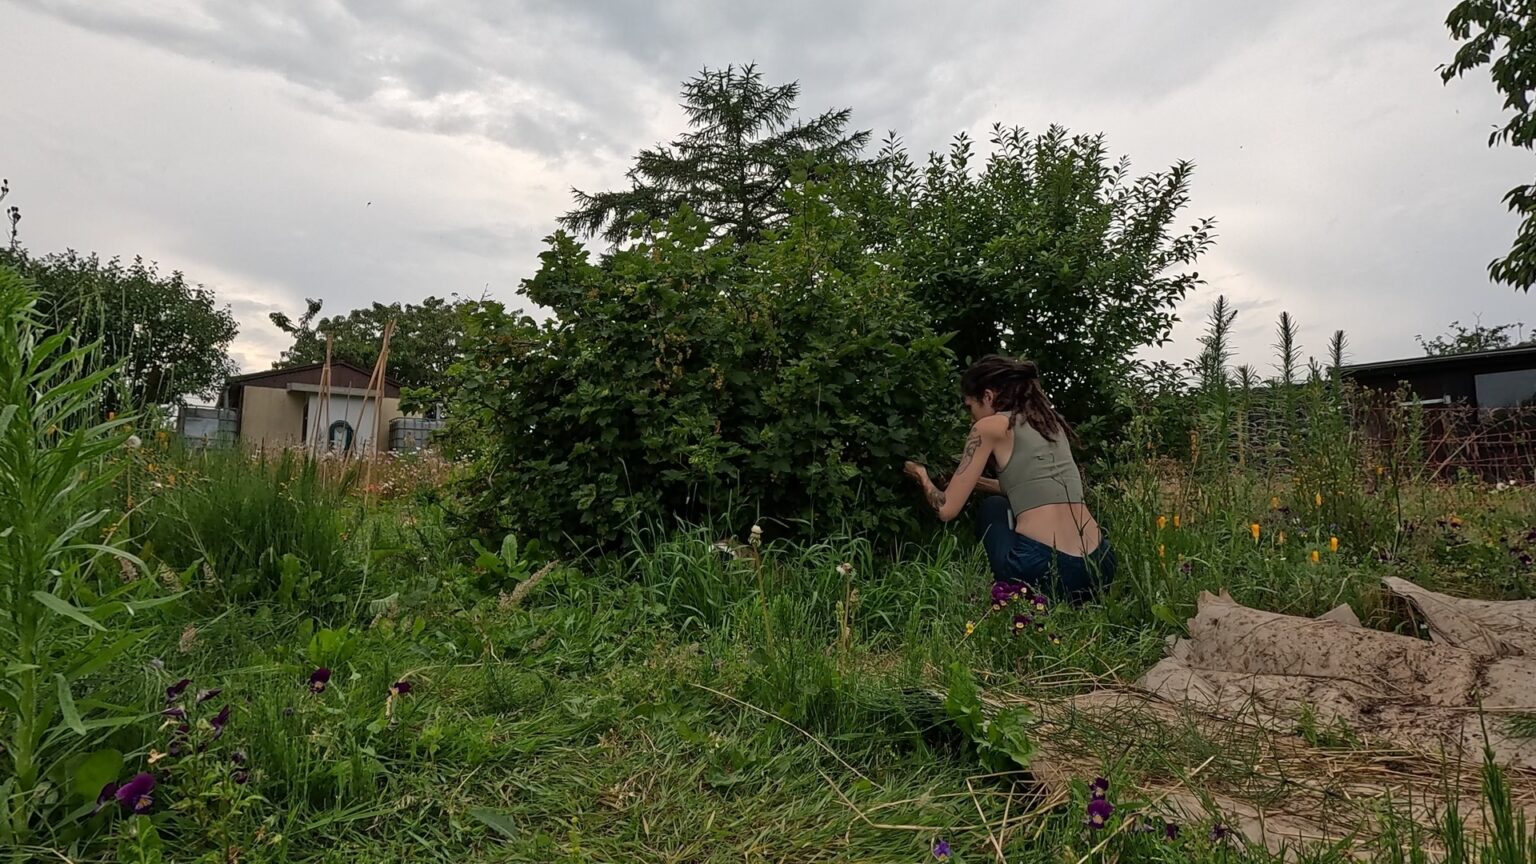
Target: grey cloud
492 71
1350 187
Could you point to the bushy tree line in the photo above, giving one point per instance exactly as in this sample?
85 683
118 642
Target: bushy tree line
781 319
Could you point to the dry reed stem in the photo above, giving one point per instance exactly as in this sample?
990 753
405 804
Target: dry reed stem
979 812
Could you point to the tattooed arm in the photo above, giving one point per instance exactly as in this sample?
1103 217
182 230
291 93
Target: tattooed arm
948 501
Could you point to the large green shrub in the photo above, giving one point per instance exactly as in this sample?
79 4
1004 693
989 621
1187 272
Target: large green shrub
693 378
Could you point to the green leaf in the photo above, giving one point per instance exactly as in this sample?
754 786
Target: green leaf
1165 615
497 821
95 771
100 658
59 605
67 706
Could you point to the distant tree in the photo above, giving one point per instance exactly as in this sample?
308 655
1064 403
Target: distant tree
301 329
1466 340
730 168
426 341
172 337
1501 34
1051 251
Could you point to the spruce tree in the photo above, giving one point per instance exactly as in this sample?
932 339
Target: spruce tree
730 167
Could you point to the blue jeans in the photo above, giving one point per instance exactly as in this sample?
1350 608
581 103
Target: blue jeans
1016 558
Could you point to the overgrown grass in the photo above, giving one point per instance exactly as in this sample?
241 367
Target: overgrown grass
685 703
692 700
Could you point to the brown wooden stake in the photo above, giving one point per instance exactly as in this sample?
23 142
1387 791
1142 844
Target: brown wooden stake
323 402
376 387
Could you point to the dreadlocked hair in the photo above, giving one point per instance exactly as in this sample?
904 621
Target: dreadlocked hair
1016 384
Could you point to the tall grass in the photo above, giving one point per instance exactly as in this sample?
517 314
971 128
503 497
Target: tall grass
256 526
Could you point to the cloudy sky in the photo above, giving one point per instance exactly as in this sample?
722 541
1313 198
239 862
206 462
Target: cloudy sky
361 150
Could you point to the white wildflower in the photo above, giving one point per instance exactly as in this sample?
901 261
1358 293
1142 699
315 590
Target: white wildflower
845 569
133 442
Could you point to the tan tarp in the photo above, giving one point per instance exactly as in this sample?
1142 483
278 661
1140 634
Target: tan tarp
1321 723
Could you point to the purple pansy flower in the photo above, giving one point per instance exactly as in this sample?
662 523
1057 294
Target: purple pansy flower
175 712
1039 601
218 722
173 692
108 792
1099 811
1099 787
318 679
400 688
136 794
240 778
205 695
1021 623
941 849
176 748
1170 831
1002 592
288 712
237 757
1218 832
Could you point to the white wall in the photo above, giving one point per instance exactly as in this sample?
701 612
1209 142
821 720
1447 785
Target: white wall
350 409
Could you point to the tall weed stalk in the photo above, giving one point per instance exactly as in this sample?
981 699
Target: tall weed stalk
59 610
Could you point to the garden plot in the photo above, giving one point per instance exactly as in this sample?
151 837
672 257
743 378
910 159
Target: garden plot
1294 729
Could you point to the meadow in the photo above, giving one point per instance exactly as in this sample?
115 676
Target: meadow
224 655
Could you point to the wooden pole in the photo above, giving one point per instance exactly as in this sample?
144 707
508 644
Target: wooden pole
323 403
375 386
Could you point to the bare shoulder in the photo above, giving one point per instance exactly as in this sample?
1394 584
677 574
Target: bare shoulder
992 428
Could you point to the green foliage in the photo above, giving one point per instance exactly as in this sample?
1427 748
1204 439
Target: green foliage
425 342
62 600
168 339
730 168
1051 251
1466 340
1002 740
687 378
1501 35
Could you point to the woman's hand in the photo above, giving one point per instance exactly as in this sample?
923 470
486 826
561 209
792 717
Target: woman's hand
916 471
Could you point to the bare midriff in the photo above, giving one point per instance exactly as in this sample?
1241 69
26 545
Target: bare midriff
1068 528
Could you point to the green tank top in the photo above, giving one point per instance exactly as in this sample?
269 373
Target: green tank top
1040 472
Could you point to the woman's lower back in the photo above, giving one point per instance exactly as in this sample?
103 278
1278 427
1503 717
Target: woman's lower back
1069 528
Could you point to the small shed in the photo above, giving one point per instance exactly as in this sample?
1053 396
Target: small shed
1488 380
283 408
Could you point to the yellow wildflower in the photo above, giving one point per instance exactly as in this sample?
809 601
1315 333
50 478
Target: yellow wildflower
1333 544
1175 520
970 627
1318 499
1162 550
1380 470
1254 530
1315 556
1274 502
1162 522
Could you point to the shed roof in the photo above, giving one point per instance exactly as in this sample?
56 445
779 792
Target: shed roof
350 375
1498 356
